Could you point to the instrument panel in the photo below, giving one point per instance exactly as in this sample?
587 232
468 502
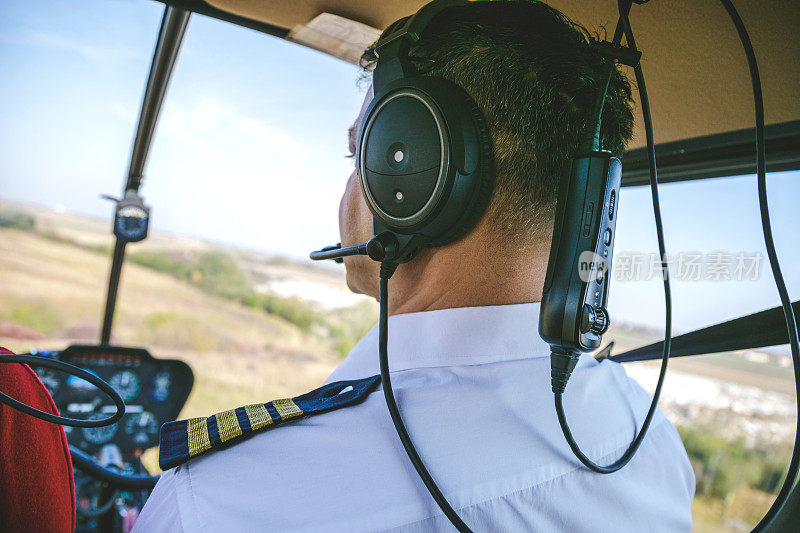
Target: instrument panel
154 391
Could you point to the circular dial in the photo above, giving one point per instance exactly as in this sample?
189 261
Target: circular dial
142 427
78 389
161 386
126 383
131 222
102 434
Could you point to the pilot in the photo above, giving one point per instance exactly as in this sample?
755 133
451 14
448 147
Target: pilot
470 372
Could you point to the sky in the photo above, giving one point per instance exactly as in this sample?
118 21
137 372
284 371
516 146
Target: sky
250 150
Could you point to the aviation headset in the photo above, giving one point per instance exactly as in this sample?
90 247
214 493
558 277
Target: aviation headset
423 152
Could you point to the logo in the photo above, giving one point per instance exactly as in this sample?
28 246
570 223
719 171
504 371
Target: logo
591 267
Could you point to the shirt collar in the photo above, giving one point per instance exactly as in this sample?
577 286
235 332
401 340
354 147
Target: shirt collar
450 337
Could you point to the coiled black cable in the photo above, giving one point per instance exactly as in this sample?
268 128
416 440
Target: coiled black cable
791 321
89 466
72 370
788 311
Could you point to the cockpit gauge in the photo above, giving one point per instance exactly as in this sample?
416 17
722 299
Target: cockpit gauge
102 434
131 217
154 390
161 386
126 383
142 427
80 388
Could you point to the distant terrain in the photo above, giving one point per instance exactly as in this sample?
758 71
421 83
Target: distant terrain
255 327
53 278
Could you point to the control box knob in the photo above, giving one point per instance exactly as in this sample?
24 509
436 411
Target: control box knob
594 319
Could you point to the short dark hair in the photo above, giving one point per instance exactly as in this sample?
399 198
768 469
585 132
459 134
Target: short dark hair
536 78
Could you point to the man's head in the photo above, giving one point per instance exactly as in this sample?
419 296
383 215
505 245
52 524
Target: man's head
535 77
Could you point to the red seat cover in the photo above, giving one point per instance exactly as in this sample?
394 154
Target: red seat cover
37 490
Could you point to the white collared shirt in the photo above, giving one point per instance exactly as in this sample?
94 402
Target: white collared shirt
473 386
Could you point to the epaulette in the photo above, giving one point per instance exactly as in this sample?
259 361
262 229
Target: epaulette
184 439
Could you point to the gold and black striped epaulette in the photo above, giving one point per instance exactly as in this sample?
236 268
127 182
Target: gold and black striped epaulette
184 439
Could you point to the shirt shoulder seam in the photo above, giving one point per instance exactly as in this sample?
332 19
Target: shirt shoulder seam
192 499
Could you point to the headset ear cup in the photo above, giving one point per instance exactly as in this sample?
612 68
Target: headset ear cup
431 119
479 201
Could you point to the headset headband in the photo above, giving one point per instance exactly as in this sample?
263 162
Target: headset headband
395 42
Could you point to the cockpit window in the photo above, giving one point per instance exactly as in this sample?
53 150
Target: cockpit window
73 74
250 131
717 260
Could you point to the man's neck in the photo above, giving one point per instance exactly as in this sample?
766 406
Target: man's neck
459 276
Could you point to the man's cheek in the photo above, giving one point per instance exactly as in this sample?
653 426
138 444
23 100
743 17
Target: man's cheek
345 213
355 219
364 216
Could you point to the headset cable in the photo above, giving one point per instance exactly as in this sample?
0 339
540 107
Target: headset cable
766 226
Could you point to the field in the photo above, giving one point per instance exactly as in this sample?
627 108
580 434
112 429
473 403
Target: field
728 367
52 293
244 322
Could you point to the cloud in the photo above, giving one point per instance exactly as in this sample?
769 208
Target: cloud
124 112
209 121
90 52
